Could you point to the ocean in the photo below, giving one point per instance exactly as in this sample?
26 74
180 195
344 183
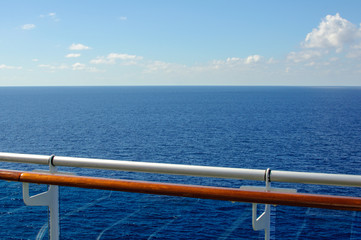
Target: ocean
311 129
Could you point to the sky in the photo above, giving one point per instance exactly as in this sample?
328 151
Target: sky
198 42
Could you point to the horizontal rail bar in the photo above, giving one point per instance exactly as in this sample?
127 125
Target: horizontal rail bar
192 191
190 170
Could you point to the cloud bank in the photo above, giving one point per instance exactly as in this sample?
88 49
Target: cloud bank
331 50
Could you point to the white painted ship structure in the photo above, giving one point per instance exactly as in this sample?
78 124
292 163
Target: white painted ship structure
255 195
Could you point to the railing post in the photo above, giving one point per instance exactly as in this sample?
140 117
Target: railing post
264 220
50 199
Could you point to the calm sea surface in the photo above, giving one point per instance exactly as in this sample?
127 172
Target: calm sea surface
282 128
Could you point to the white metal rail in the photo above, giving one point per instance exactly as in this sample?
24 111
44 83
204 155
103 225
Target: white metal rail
190 170
51 200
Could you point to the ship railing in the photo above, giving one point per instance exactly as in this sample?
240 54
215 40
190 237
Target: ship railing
255 195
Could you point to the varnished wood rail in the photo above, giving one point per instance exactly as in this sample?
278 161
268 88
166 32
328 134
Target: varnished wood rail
193 191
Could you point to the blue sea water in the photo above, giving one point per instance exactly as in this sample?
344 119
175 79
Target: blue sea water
313 129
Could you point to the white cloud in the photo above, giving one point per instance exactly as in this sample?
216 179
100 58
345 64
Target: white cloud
113 57
79 66
83 67
355 51
78 47
73 55
354 54
51 16
122 56
53 67
28 26
333 32
304 55
272 61
233 59
310 64
76 67
357 46
156 66
100 60
334 36
233 62
123 18
35 60
3 66
231 65
44 65
253 59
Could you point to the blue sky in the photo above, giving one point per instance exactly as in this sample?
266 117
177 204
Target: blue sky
66 43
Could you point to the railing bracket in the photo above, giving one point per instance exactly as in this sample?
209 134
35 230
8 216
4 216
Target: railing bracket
50 199
263 222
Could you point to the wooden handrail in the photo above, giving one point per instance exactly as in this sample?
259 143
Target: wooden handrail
193 191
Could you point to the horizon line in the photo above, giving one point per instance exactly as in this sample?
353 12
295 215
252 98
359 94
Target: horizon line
5 86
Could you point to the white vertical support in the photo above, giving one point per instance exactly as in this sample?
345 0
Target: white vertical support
264 220
50 199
